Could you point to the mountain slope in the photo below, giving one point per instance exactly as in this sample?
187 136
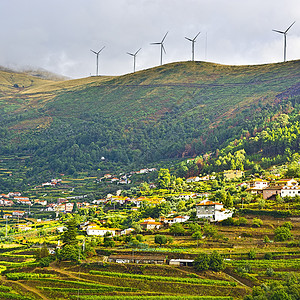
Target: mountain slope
171 111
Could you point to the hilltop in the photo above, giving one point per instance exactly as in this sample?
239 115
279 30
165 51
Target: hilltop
172 111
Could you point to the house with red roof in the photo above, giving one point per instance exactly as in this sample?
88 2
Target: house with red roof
212 211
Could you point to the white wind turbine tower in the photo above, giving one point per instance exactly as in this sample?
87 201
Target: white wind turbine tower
97 61
134 57
284 34
193 44
162 48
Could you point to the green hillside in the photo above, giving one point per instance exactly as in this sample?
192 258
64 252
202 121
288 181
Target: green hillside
172 111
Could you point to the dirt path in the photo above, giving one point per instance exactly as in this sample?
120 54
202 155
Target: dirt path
236 280
33 290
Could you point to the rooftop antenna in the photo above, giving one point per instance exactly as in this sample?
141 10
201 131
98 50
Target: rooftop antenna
284 34
134 56
97 54
193 44
162 48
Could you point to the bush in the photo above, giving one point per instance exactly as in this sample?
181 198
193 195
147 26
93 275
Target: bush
268 255
288 225
160 239
45 261
201 262
269 272
216 261
282 234
257 222
252 254
241 221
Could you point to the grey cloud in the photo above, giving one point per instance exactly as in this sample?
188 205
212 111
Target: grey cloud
58 35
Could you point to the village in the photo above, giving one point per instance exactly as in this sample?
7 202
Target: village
21 211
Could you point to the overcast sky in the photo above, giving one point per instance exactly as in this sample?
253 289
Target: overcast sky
57 35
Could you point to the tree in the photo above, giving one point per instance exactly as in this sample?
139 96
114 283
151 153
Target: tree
201 262
69 252
197 235
164 178
210 230
228 201
177 229
160 239
216 261
69 236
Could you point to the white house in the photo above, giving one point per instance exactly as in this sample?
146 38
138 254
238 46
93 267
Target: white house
170 221
97 230
257 186
212 211
290 191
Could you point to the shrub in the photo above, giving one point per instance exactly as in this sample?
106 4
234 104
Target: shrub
139 237
256 222
177 229
267 239
288 225
282 234
252 254
216 261
160 239
228 222
201 262
269 272
210 230
268 255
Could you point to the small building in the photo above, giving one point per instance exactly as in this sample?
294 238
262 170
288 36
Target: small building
257 186
149 224
101 231
170 221
290 191
271 191
138 259
181 262
212 211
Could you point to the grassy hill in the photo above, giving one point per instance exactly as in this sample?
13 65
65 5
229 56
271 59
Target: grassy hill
175 110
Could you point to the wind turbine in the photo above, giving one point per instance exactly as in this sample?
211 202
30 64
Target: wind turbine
162 48
134 56
97 54
193 44
284 33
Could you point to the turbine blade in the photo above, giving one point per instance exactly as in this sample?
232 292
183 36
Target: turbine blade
290 27
196 36
164 37
162 45
137 51
101 49
130 53
188 39
94 51
155 43
278 31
